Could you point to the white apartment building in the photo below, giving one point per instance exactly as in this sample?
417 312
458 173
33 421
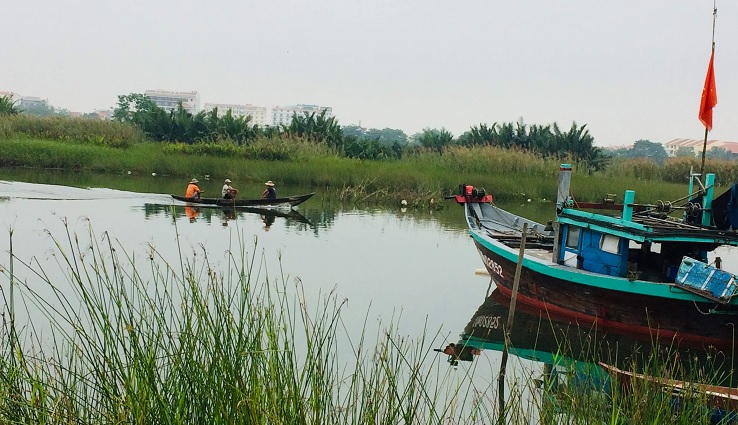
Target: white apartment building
695 146
168 100
24 101
283 114
258 114
31 101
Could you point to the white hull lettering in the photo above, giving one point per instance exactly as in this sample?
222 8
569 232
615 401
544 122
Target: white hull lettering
489 322
492 266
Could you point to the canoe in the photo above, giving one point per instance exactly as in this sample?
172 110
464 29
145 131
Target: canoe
288 200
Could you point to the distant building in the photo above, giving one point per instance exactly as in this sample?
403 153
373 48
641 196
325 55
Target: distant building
31 102
104 114
283 114
696 146
616 148
258 114
25 101
169 100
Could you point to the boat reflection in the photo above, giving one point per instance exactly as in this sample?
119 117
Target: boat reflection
558 341
196 213
569 358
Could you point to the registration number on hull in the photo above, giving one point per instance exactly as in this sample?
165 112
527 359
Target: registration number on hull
491 264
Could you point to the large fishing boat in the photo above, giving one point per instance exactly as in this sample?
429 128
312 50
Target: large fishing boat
653 266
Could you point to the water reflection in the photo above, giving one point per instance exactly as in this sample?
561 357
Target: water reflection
224 215
557 342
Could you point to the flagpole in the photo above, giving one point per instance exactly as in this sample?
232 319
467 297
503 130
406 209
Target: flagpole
712 55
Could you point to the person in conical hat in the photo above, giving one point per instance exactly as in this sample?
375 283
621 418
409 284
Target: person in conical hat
228 191
270 192
193 190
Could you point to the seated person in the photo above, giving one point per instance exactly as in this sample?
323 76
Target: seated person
270 192
193 190
228 191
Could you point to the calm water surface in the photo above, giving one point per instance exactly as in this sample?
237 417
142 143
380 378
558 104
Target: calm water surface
415 268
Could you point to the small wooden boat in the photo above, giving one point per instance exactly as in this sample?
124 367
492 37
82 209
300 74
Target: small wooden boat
288 200
720 398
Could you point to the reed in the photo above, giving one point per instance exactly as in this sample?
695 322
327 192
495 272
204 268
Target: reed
421 179
182 342
580 391
71 130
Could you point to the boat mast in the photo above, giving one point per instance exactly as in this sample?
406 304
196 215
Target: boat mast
709 97
562 197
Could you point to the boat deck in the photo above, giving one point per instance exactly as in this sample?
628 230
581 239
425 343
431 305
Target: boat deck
543 254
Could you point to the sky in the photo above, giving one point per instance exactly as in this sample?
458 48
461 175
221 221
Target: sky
627 69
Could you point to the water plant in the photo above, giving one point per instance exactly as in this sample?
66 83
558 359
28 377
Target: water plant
179 341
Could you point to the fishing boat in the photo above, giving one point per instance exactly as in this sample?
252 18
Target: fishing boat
645 267
290 201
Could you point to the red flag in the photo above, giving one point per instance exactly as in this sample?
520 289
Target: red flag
709 95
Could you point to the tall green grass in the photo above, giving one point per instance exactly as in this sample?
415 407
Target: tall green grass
583 392
71 130
184 342
422 179
189 342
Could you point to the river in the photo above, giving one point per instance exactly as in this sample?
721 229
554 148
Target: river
417 270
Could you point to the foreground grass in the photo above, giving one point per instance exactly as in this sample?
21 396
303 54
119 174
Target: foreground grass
185 342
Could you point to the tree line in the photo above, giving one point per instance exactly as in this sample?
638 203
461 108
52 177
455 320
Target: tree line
353 141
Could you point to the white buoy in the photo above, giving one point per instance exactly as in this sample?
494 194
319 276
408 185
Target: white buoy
153 174
129 172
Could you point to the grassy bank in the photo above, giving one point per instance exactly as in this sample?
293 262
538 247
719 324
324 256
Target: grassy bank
422 178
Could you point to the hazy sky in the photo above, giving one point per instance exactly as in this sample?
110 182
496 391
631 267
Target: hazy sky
628 69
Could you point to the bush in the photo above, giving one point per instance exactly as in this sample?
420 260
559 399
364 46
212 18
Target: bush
223 150
73 130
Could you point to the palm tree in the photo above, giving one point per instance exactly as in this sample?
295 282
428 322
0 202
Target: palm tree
7 106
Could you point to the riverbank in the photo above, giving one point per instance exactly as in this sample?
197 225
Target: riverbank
422 179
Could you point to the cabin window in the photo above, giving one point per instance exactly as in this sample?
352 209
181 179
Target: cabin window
610 243
572 237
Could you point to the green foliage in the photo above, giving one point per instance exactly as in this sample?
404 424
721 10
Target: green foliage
179 125
719 152
223 150
547 140
386 136
371 149
271 150
352 141
684 152
206 346
316 128
72 130
7 106
648 149
436 140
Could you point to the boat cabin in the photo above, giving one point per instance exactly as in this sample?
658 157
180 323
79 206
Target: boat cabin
616 247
